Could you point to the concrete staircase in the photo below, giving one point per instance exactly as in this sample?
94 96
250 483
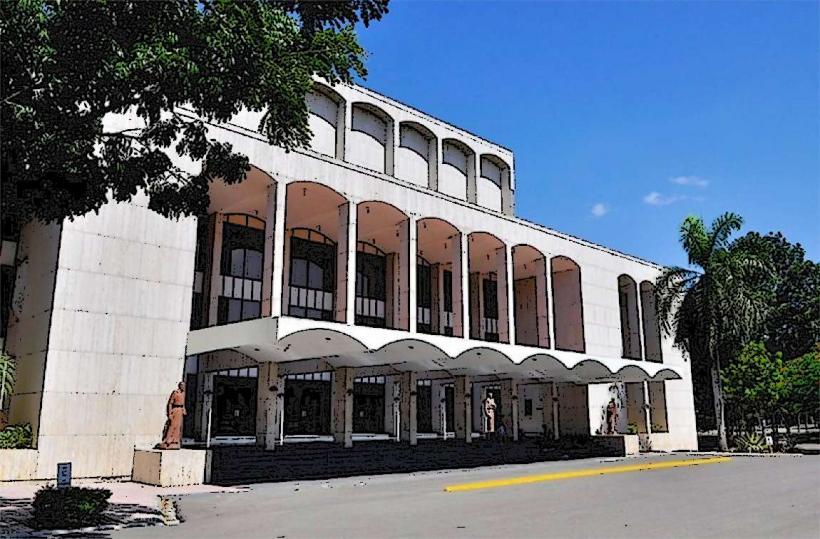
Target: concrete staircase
233 465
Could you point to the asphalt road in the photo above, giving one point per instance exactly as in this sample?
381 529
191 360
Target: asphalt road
744 497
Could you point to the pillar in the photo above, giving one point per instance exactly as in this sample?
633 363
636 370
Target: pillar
463 408
409 290
215 270
350 281
206 380
342 403
269 389
556 430
280 261
408 394
458 251
267 258
342 271
506 304
509 399
550 308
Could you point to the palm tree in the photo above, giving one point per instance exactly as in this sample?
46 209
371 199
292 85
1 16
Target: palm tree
717 306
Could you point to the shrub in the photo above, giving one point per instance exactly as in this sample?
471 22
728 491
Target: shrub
72 507
751 443
632 428
16 437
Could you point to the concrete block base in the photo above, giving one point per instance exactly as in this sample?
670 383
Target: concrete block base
622 444
18 464
170 467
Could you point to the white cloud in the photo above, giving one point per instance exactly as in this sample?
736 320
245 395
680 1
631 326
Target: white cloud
599 210
693 181
657 199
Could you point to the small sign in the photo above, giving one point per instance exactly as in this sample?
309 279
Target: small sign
63 475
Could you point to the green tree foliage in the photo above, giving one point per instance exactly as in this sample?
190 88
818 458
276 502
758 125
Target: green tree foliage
66 65
717 307
801 391
793 323
754 382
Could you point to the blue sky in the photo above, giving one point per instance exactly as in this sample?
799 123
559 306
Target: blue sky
625 117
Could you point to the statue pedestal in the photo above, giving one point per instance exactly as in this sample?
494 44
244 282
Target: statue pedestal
621 445
171 467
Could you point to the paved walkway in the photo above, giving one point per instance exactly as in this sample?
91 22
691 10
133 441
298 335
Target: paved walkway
132 505
735 497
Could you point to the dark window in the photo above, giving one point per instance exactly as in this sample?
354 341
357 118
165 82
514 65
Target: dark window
448 291
371 292
312 278
527 407
424 296
490 299
242 262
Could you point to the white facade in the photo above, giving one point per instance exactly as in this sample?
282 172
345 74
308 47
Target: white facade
102 305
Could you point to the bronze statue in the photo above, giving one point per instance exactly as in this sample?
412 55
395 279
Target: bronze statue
489 411
611 417
172 433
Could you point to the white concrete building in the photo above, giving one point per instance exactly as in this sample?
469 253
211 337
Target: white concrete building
375 285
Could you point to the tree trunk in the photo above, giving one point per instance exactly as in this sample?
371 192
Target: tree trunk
717 394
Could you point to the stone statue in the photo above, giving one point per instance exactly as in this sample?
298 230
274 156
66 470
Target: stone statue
172 433
489 411
611 417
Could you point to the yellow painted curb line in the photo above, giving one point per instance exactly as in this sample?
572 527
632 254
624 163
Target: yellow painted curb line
588 472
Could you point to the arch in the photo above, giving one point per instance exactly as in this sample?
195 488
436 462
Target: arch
315 270
630 320
371 138
567 304
530 296
438 286
493 181
232 271
457 178
326 108
651 325
383 276
416 155
487 263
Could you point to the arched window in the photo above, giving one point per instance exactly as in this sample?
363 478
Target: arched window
651 325
630 330
567 305
243 247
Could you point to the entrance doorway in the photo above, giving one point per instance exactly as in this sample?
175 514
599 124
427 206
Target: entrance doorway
234 406
307 404
424 406
368 405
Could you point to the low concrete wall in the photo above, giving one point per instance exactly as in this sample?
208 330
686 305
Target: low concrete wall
18 464
622 444
170 467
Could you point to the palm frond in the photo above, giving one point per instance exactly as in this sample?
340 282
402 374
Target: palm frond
694 239
721 230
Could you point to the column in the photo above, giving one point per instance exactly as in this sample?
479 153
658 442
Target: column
269 389
411 282
556 430
350 282
473 171
409 419
267 259
205 420
280 263
342 403
502 290
458 250
509 403
463 408
342 271
647 407
550 308
541 302
215 270
510 305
